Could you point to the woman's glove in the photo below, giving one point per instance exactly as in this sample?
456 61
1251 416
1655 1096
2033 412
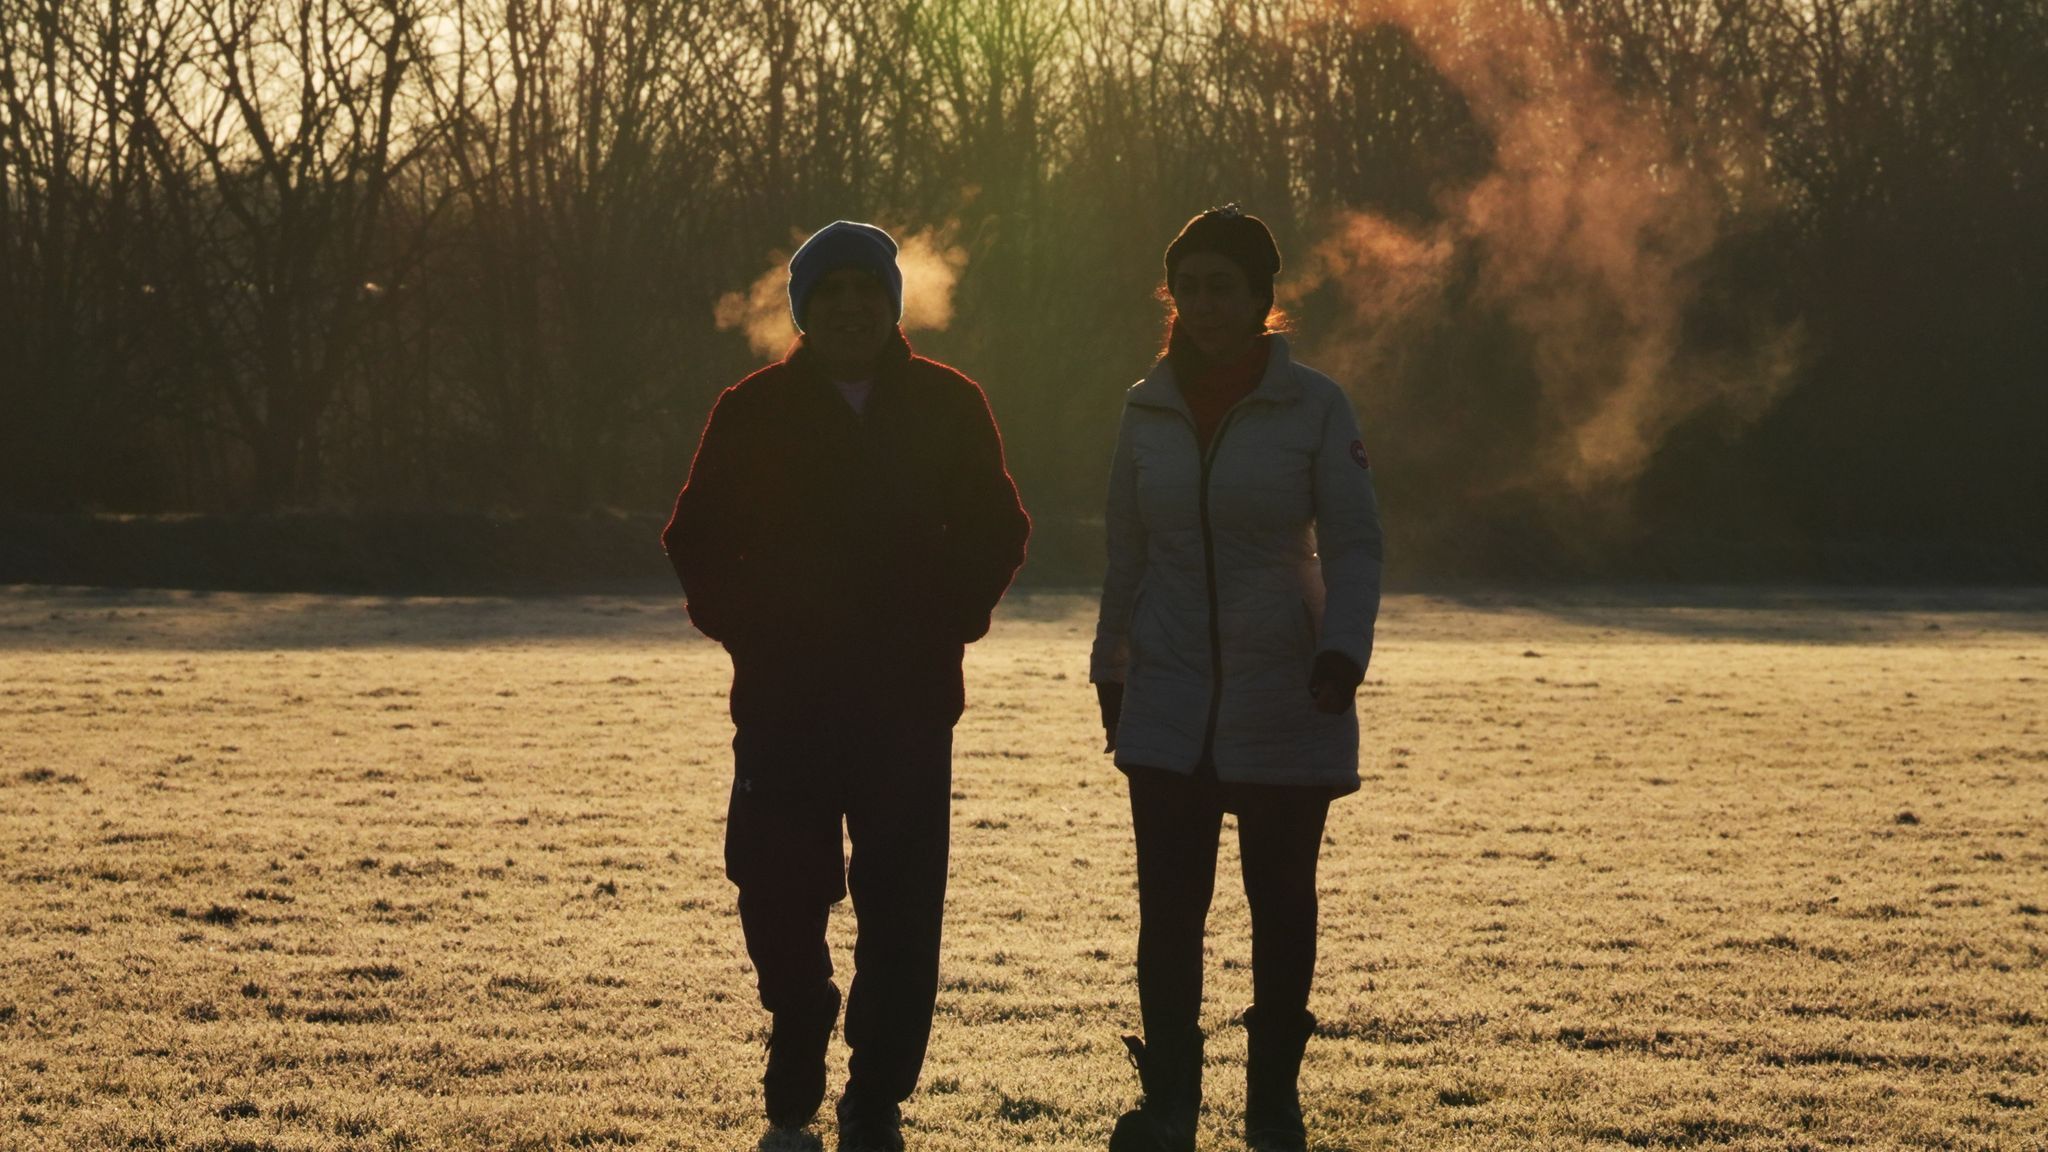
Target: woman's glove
1334 681
1110 695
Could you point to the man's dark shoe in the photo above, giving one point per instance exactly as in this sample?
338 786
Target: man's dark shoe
1170 1067
1272 1108
794 1084
869 1128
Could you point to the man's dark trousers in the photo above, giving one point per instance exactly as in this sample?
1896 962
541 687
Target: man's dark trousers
891 784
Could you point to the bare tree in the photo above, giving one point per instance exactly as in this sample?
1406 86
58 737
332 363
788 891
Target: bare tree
373 253
295 128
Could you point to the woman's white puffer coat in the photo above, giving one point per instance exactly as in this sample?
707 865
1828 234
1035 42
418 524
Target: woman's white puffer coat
1229 572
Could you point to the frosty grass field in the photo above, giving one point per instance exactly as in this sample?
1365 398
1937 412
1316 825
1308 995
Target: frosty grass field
1750 870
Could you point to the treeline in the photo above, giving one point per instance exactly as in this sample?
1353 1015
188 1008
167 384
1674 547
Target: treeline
1598 271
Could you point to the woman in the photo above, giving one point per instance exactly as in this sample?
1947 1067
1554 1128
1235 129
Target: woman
1237 623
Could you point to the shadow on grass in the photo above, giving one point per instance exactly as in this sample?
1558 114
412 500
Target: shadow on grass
1779 614
40 618
46 619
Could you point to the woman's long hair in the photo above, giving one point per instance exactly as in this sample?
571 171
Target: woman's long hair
1189 362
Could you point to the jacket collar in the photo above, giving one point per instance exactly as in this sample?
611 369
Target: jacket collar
896 355
1159 388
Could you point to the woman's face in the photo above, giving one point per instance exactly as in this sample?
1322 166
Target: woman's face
1213 305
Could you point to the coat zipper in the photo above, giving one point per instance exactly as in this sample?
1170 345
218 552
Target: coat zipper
1209 569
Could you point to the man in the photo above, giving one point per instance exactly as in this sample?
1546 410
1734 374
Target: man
847 527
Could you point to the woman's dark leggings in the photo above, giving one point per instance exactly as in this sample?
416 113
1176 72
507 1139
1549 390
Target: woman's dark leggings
1178 820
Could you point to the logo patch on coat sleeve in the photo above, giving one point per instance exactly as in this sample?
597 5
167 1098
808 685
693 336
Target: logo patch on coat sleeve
1358 455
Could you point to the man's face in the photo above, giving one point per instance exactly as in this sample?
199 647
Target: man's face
847 320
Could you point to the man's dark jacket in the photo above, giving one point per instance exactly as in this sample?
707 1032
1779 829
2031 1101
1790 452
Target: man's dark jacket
844 559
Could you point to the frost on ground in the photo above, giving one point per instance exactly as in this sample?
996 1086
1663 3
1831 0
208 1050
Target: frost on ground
1756 870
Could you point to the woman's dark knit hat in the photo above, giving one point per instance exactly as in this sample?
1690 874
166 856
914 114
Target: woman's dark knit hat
843 244
1229 232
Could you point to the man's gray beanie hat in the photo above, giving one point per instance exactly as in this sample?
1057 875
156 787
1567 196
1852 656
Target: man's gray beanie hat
843 244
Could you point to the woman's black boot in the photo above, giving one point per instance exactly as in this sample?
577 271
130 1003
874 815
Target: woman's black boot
1272 1108
1170 1068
